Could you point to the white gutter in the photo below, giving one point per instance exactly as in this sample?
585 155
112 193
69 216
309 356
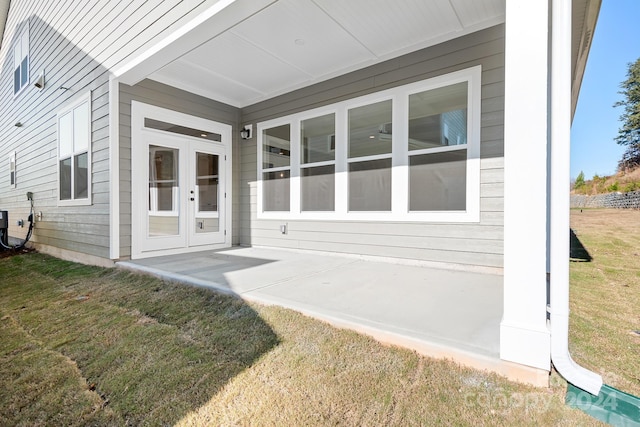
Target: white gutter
560 174
4 11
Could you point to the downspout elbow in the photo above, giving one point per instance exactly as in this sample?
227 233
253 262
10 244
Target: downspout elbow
572 372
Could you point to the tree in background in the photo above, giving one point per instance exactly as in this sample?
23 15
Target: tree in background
579 181
629 133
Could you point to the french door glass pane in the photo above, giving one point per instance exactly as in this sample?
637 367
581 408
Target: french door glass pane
318 188
370 129
370 185
438 117
318 139
164 194
276 147
276 191
438 182
207 182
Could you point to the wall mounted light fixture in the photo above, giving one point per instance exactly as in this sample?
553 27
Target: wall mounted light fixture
39 83
245 133
18 125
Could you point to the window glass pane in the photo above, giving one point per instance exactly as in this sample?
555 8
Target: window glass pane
370 185
65 135
81 127
80 177
24 71
438 117
276 146
17 56
12 169
318 188
25 45
275 191
207 225
163 179
318 139
207 181
182 130
437 182
16 80
370 130
65 179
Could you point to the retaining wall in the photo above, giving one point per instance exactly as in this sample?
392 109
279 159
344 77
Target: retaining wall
630 200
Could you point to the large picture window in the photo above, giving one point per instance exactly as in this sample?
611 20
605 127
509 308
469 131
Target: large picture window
74 154
410 153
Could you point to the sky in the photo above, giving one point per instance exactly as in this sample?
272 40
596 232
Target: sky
616 43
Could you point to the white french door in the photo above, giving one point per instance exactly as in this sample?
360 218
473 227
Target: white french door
179 188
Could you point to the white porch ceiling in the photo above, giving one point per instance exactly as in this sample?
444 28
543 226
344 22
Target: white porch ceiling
295 43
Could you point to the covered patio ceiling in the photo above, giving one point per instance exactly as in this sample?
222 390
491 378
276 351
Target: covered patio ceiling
272 47
245 51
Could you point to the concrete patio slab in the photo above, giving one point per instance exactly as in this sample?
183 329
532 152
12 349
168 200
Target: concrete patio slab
438 312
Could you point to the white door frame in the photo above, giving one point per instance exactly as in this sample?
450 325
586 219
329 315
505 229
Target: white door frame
140 141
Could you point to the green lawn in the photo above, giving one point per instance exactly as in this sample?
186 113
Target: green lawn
83 345
605 296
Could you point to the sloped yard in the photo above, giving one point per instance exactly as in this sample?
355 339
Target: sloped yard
88 346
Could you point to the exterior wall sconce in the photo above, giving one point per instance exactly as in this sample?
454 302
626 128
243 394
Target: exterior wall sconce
245 133
18 125
39 83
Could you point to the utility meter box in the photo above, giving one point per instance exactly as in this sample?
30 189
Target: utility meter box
4 220
4 229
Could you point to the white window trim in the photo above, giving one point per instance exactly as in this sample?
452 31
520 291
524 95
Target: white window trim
12 168
69 107
400 156
25 31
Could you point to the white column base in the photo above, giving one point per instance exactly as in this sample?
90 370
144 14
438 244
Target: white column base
525 346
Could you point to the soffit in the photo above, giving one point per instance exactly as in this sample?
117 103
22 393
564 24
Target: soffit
295 43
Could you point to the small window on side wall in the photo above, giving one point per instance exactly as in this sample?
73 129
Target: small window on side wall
21 62
12 169
74 153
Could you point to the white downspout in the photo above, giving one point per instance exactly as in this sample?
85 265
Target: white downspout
560 174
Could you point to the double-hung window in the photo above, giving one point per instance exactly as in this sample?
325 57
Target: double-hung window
411 153
21 62
74 153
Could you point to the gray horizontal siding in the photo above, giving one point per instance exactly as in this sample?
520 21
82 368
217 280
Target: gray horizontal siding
476 244
79 228
158 94
75 43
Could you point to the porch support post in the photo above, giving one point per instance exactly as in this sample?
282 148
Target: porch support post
524 337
